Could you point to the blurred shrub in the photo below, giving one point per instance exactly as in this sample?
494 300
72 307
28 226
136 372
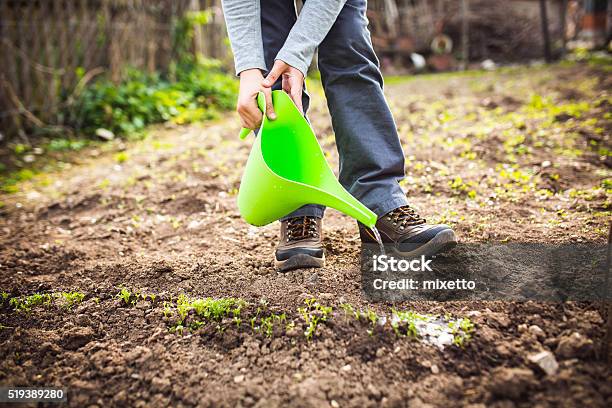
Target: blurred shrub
197 92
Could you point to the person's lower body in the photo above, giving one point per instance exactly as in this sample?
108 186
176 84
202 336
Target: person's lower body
371 156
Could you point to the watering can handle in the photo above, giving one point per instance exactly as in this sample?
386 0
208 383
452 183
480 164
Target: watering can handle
261 102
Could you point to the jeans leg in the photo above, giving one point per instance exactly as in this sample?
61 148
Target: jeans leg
277 20
371 156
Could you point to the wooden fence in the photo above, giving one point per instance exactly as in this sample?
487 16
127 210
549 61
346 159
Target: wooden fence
48 48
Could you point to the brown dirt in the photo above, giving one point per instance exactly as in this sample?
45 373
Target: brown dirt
165 222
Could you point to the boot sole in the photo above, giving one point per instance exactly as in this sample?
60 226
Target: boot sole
442 242
299 261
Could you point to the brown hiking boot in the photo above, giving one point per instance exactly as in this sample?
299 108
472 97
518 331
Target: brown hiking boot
407 234
300 244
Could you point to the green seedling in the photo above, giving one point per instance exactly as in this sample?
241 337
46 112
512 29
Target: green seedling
27 303
208 309
313 314
404 323
4 298
128 297
373 319
267 326
350 311
196 324
462 330
70 298
167 310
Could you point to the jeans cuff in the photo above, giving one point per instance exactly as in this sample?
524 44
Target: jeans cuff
309 210
384 207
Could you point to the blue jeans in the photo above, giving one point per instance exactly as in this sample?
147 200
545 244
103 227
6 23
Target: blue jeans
371 156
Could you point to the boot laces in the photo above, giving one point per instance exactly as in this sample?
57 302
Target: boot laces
299 228
404 216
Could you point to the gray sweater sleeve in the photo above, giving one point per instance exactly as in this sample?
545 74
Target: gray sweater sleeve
243 20
313 24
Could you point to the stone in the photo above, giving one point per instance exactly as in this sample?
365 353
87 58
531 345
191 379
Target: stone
546 361
537 331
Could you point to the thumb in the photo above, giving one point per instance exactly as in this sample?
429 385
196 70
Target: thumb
275 73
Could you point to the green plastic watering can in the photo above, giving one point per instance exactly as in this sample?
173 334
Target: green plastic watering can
286 169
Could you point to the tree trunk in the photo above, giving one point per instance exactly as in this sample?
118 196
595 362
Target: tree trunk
465 35
545 35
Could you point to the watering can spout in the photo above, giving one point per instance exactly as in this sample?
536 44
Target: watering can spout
287 169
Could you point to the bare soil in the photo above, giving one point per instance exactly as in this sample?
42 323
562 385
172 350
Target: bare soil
483 154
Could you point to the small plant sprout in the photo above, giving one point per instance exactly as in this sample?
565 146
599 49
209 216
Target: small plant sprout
26 304
373 319
313 314
349 310
461 330
404 323
167 310
128 297
207 309
267 326
290 326
70 298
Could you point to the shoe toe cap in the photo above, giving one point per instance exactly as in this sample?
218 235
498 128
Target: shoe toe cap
284 254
